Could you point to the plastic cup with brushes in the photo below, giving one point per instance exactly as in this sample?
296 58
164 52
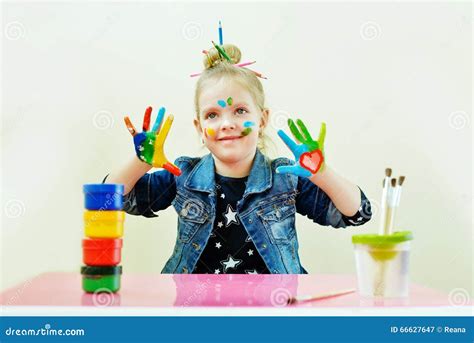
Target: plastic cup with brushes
382 260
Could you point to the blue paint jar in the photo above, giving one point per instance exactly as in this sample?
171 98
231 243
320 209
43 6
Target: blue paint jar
103 197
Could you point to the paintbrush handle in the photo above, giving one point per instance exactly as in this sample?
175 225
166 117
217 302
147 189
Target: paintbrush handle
383 208
325 295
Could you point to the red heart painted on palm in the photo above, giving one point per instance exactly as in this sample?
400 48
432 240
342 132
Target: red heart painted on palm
312 160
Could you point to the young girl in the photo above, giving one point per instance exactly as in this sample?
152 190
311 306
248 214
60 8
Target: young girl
236 208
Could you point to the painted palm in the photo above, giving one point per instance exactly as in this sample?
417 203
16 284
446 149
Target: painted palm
149 143
309 155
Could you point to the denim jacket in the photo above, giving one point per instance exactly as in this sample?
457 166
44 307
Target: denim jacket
267 209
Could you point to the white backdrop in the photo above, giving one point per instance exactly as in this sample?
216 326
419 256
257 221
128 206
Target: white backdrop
392 81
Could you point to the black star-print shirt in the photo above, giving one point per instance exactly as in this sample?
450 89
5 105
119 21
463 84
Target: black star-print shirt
230 249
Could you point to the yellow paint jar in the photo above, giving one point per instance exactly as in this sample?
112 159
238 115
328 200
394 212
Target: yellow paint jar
104 224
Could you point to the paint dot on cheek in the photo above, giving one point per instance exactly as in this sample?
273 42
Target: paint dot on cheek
210 132
249 124
246 131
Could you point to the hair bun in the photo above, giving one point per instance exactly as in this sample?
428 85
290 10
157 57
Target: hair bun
212 58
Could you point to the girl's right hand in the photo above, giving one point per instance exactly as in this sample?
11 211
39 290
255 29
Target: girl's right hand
149 144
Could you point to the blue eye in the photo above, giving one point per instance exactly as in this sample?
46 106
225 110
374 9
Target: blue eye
240 109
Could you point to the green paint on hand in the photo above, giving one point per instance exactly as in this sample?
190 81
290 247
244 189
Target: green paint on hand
147 147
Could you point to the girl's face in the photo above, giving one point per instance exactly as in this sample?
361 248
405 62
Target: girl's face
229 121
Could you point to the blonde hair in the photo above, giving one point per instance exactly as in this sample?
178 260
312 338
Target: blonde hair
216 67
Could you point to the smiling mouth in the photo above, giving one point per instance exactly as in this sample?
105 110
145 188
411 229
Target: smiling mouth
230 139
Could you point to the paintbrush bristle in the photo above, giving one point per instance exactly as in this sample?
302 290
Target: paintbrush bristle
394 182
388 172
401 179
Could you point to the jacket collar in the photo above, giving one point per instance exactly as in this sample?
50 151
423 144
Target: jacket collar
202 176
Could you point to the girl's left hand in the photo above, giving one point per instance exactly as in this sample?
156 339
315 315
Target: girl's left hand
309 155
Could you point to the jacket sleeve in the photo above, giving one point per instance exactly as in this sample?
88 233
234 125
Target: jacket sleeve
312 202
152 192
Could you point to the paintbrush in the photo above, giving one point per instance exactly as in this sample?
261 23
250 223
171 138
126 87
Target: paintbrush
307 298
391 195
383 203
395 201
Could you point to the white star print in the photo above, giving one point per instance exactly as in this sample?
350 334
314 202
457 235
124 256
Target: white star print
223 196
218 245
252 271
248 239
230 263
220 224
250 252
354 222
217 271
231 216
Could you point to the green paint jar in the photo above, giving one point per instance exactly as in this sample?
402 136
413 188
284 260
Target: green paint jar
101 278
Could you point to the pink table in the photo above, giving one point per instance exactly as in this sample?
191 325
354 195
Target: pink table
207 290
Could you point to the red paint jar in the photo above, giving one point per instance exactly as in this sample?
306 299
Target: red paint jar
102 251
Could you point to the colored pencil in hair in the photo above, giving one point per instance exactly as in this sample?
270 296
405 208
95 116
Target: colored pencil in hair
221 41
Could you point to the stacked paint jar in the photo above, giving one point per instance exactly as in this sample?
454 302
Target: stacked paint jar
103 224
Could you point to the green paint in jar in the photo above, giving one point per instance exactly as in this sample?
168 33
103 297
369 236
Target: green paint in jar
101 278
